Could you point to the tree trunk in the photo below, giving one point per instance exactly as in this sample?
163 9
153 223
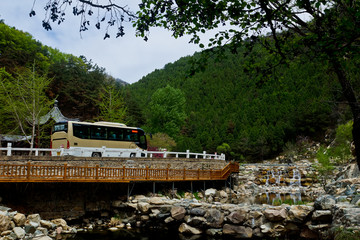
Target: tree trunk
349 94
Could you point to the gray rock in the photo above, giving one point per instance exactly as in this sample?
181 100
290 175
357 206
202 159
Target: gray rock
275 215
143 207
355 199
237 217
30 227
162 215
156 201
214 218
178 212
350 190
298 213
326 202
197 212
5 209
196 221
239 231
210 192
19 232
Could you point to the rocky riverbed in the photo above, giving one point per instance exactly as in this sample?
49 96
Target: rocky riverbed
15 225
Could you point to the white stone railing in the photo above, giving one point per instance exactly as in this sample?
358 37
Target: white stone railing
107 152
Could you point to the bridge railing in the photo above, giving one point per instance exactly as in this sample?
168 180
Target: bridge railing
29 172
107 152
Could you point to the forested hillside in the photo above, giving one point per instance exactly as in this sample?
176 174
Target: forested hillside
254 113
233 106
77 83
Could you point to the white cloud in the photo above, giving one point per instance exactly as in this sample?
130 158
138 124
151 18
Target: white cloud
128 58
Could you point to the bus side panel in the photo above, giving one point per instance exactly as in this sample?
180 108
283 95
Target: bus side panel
59 139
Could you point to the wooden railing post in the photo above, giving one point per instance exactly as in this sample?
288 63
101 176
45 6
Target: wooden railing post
210 173
147 172
123 172
97 172
65 169
167 172
28 170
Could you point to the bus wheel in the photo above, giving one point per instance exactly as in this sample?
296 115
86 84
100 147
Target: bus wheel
132 155
96 154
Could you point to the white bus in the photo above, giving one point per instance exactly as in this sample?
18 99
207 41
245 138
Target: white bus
90 139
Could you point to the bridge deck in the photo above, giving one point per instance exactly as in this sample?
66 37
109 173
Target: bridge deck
29 172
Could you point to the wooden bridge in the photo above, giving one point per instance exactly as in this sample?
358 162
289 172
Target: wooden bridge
29 172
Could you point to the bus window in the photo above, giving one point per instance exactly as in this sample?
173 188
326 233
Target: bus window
132 135
81 131
60 127
98 132
116 134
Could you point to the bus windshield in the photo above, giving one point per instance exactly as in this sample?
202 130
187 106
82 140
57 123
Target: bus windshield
60 127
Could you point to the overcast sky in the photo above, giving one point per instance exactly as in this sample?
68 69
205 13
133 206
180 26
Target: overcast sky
128 58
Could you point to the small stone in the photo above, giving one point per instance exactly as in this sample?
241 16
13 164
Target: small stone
186 229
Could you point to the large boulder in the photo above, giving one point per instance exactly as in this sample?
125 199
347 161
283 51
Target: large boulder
30 227
326 202
275 215
214 218
60 223
210 192
298 213
239 231
237 217
195 221
178 212
186 229
156 201
197 212
143 207
347 216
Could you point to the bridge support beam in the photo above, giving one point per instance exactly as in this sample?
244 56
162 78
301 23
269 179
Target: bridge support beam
173 189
